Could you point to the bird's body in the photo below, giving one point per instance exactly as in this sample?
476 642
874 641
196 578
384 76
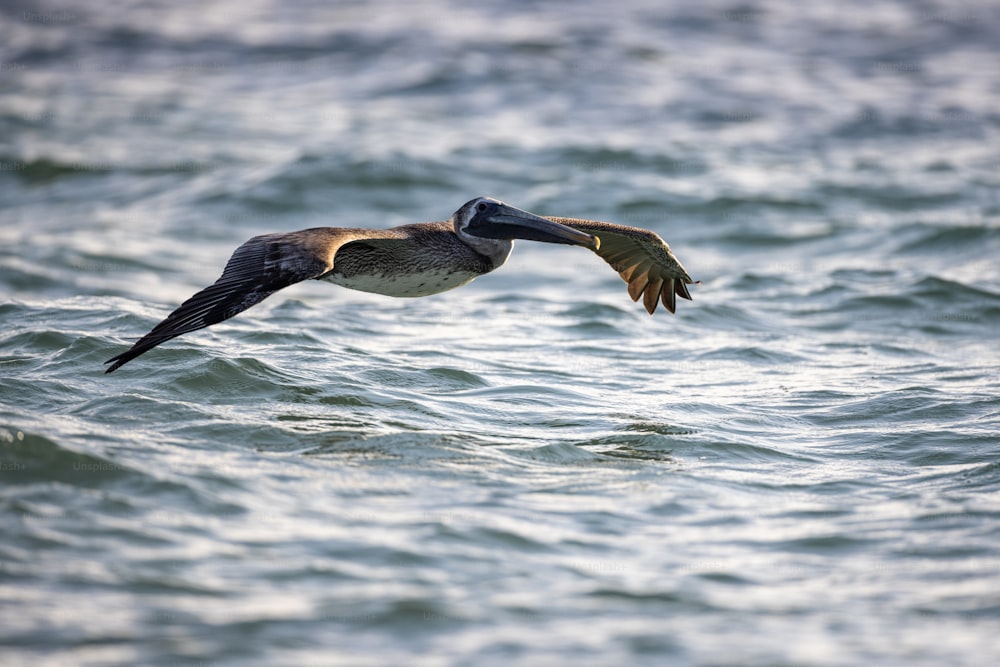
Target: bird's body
407 261
416 260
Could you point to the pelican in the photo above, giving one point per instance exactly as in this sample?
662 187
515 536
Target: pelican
416 260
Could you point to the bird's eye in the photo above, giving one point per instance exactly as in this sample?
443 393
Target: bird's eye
481 206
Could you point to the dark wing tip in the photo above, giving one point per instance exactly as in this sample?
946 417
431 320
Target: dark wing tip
667 293
143 345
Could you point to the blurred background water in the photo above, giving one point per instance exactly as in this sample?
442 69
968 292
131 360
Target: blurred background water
800 467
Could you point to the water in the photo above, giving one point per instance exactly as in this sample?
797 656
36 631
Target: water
800 467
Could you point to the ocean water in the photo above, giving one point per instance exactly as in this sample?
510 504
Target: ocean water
802 466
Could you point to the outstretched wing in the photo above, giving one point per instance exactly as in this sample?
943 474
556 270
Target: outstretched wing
642 259
258 268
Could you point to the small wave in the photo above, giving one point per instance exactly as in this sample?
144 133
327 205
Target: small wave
872 123
947 239
29 458
560 453
318 173
932 288
611 160
754 354
42 171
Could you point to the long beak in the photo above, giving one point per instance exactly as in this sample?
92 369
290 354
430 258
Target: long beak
501 221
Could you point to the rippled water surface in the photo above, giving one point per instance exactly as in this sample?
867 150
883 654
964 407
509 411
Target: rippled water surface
802 466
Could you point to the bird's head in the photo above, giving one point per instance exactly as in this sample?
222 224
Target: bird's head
490 226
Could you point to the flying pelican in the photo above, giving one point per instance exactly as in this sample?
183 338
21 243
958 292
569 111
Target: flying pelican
416 260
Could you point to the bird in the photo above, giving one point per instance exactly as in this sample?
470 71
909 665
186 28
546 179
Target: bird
416 260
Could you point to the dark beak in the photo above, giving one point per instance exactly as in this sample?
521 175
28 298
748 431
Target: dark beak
500 221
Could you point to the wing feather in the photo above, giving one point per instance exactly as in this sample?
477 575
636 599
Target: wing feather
652 294
637 283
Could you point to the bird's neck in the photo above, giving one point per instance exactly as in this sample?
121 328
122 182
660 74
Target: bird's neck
495 250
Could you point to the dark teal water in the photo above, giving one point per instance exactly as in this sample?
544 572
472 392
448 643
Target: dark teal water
801 467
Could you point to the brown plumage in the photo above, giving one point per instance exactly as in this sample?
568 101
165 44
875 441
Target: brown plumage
642 259
415 260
